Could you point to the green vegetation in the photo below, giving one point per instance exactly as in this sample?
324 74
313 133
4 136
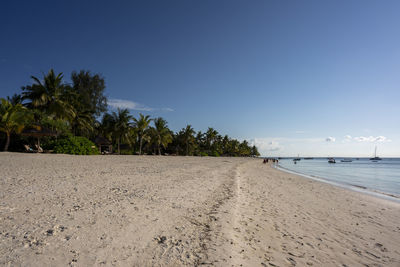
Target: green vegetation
77 113
75 145
13 118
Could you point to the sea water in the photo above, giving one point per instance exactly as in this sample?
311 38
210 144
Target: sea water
382 176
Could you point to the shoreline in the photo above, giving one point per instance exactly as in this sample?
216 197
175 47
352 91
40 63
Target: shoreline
351 187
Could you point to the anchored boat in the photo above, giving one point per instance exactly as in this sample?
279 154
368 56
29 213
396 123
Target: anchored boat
375 158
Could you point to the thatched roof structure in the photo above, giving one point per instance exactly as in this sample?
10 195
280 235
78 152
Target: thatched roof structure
99 140
38 132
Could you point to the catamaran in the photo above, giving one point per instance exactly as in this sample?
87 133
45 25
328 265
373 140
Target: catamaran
375 158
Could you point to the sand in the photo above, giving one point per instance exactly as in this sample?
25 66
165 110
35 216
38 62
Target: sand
61 210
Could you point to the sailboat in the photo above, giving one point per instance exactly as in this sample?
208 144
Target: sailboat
375 158
297 159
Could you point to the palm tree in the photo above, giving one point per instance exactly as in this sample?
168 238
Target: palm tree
162 134
12 119
106 126
49 95
225 145
121 125
244 148
234 147
82 118
141 124
211 136
82 122
188 137
15 99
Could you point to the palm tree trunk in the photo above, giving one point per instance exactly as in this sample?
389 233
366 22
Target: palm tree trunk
7 142
159 150
119 151
140 146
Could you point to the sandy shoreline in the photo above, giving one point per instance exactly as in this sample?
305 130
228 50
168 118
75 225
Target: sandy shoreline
60 210
352 187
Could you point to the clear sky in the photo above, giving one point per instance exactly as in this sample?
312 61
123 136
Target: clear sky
295 77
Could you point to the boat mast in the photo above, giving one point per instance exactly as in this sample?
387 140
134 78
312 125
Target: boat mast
375 151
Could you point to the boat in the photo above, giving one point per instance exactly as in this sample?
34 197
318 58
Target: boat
375 158
297 159
346 160
331 160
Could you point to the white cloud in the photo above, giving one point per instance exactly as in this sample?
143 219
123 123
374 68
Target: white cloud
265 144
347 138
120 103
330 139
300 132
372 139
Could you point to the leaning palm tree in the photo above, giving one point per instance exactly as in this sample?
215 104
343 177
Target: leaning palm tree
141 124
12 119
121 125
48 95
162 134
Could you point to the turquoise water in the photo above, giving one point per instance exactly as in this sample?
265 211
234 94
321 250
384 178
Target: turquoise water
382 176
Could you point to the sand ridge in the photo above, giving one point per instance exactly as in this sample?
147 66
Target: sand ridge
62 210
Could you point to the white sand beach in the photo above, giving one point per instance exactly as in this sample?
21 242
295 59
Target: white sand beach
61 210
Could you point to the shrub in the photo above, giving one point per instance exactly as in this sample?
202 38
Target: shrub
203 154
214 154
75 145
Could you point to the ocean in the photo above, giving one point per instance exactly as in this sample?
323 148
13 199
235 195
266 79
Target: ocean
382 177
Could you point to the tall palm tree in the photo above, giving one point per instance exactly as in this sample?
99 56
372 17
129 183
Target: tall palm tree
121 125
211 136
12 119
162 134
106 126
49 95
141 124
225 144
82 122
82 118
188 137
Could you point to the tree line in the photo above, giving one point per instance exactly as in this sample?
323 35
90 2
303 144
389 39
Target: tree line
79 109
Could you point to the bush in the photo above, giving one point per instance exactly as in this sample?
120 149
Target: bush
214 154
75 145
203 154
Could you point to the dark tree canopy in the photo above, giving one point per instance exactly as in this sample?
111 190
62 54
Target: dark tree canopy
90 88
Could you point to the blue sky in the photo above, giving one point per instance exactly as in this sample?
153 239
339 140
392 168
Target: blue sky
287 75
